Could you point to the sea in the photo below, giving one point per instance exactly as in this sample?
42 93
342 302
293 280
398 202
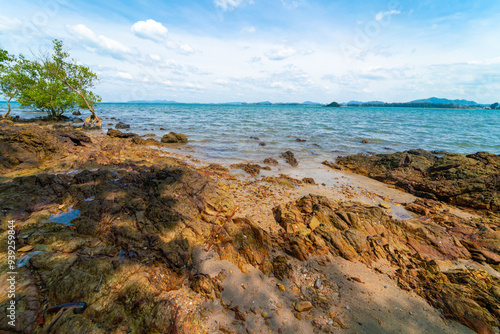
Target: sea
313 133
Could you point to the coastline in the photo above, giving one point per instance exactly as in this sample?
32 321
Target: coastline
246 272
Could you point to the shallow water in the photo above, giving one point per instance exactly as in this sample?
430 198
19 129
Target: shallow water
221 132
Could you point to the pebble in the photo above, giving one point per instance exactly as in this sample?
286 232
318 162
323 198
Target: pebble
303 306
281 287
318 284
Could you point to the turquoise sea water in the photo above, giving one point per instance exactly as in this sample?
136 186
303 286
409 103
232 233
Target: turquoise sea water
224 131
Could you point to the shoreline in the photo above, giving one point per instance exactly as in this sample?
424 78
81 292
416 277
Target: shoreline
378 304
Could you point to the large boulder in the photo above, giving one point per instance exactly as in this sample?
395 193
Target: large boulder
466 180
27 145
173 137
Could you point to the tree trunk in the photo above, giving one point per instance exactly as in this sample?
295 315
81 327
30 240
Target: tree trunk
8 110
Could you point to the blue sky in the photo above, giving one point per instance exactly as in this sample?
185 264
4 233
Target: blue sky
275 50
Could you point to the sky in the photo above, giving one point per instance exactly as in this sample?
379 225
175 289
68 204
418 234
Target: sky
217 51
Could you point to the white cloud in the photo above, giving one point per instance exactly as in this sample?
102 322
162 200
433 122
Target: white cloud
184 49
183 85
381 15
124 75
150 29
231 4
9 24
99 42
280 52
250 30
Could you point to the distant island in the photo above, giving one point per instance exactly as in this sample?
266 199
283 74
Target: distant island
433 102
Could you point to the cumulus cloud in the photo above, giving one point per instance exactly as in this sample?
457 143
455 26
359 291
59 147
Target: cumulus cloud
99 43
280 52
150 29
231 4
381 15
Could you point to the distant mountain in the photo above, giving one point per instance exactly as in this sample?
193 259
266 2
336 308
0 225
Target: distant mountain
354 102
309 103
446 101
155 101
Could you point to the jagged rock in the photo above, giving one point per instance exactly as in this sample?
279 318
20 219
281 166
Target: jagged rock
290 158
150 141
252 169
472 180
271 161
420 247
173 137
121 125
77 113
118 134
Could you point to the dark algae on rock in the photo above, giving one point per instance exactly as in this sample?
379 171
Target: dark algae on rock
471 180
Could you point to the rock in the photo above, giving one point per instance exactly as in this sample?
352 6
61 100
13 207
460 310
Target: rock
150 141
384 205
290 158
303 306
300 140
365 141
149 135
365 233
308 180
118 134
470 180
173 137
77 113
262 144
121 125
252 169
254 138
281 268
27 145
271 161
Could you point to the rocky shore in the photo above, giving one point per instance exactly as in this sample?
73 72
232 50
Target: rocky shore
115 235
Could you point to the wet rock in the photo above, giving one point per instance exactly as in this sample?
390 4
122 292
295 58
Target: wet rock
118 134
300 140
308 180
252 169
121 125
149 135
77 113
271 161
365 141
471 180
173 137
290 158
150 141
262 143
